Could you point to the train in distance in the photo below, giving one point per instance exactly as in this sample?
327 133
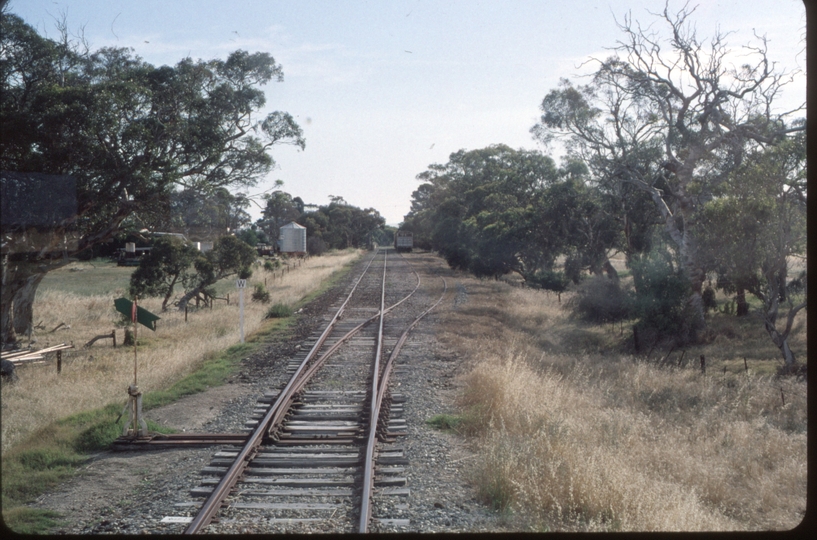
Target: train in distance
403 241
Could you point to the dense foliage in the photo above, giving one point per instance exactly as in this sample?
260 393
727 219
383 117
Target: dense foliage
339 225
172 262
675 158
132 135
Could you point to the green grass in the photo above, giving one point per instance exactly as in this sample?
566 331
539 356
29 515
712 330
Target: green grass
51 456
279 311
214 372
31 520
445 422
107 278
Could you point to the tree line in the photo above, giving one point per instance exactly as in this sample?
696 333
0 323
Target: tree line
673 157
337 225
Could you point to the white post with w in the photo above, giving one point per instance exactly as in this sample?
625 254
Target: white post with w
241 284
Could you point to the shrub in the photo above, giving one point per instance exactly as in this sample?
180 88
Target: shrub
708 297
279 311
601 299
271 266
549 280
661 298
315 246
260 294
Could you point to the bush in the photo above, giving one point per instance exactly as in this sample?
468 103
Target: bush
260 294
549 280
315 246
279 311
708 297
661 298
271 266
602 300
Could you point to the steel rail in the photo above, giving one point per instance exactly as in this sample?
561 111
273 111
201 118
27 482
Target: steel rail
377 402
368 477
277 410
317 364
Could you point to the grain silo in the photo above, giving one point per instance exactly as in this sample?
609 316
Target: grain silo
293 239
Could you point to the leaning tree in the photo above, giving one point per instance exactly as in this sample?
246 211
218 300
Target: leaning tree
670 115
127 134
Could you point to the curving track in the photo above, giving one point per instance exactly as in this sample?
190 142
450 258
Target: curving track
315 460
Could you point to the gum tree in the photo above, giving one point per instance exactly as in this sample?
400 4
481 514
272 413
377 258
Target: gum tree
230 256
129 133
670 114
755 229
161 269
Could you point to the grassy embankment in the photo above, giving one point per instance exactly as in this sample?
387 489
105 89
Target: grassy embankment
571 433
51 423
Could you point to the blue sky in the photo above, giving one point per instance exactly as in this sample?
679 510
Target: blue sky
382 89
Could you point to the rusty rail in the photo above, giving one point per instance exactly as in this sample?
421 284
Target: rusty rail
273 416
378 393
277 412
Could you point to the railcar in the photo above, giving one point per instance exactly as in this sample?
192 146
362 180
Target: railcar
403 241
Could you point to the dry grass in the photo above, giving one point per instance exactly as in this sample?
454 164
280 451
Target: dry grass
97 376
573 435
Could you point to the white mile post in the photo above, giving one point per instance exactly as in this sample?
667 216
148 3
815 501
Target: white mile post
241 284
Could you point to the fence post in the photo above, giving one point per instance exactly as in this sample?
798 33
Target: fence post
703 365
185 313
59 363
746 365
113 335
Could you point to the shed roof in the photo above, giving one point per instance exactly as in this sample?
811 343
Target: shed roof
39 200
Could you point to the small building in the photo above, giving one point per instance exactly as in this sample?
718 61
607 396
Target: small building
292 239
38 213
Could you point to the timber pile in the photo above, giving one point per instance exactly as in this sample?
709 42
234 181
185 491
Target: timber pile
20 357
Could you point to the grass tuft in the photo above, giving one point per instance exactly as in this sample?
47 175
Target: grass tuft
278 311
445 422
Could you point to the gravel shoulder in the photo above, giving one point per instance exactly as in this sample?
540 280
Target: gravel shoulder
131 492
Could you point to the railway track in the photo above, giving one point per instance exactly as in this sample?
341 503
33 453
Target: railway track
325 448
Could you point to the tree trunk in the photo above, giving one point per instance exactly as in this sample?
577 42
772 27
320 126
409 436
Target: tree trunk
189 296
19 285
23 305
782 342
611 271
169 293
696 277
743 305
686 250
776 279
9 338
